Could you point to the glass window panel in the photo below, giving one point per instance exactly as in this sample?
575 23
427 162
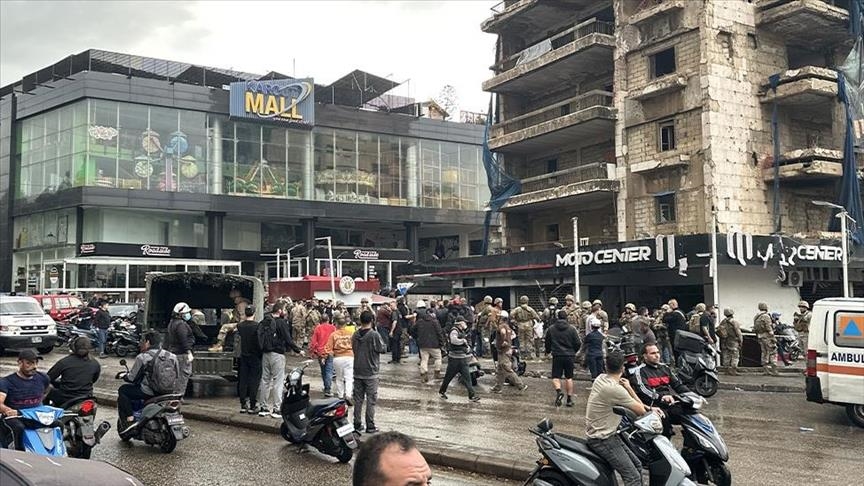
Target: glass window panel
229 168
450 175
102 276
248 132
67 117
324 176
190 151
37 128
135 164
367 167
273 166
64 143
64 172
346 187
52 118
390 173
471 176
36 179
220 148
79 113
430 174
248 166
298 154
160 140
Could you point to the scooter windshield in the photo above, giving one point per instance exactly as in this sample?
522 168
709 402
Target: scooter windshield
45 440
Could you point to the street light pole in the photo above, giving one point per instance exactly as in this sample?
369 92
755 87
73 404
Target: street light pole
330 259
577 295
843 215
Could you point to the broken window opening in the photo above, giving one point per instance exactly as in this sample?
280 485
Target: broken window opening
552 232
665 204
663 63
667 135
551 166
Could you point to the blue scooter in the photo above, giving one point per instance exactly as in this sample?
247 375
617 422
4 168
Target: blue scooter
43 431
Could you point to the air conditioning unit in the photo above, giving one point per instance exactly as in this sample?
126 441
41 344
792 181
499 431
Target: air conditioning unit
794 278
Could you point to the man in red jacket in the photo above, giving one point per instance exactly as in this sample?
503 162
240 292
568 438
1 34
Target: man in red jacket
319 338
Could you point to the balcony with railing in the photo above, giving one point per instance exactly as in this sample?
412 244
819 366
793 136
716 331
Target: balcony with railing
802 87
812 23
807 166
533 15
589 116
581 49
563 186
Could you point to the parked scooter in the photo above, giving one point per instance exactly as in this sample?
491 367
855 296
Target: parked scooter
80 431
158 421
568 460
697 363
788 344
323 424
43 431
122 343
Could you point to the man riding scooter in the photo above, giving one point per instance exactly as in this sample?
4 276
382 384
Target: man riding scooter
656 385
23 389
138 386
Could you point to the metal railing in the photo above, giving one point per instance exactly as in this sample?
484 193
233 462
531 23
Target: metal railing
561 39
557 110
582 173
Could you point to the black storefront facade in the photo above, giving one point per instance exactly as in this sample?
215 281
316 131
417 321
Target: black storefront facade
113 165
750 269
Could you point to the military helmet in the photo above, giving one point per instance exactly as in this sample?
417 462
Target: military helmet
630 307
763 306
553 300
597 302
728 312
804 304
586 304
569 297
487 299
498 300
700 307
523 299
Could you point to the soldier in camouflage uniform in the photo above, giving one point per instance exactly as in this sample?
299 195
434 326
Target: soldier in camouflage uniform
574 316
767 342
524 317
304 328
731 340
584 310
801 322
661 332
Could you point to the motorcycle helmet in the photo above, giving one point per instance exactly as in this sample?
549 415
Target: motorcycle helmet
182 309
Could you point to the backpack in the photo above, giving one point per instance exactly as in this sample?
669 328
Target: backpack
693 325
163 373
268 335
722 330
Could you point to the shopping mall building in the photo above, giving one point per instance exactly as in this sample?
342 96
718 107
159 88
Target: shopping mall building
114 165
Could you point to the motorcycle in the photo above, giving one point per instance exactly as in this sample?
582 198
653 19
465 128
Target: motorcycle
704 449
697 363
43 430
122 343
80 431
788 344
158 421
568 460
323 424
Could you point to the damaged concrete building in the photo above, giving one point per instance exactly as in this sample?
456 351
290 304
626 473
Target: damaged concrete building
648 120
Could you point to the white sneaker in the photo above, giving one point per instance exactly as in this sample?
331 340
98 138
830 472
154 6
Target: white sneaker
263 412
275 415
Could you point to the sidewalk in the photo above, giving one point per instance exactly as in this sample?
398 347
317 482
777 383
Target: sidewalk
489 437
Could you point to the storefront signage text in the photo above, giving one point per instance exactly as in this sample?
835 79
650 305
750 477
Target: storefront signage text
86 248
366 254
610 255
347 285
151 250
285 100
741 248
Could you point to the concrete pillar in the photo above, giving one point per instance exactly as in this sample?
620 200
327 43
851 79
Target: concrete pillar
215 228
412 239
216 160
410 173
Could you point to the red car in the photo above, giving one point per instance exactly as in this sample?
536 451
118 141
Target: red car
59 306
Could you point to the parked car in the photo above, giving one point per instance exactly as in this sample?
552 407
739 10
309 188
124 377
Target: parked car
59 306
25 469
128 311
23 324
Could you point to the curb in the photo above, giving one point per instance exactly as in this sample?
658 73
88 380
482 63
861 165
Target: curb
438 453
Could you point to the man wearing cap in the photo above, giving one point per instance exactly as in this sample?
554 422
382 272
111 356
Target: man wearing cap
23 389
524 316
430 339
764 330
801 322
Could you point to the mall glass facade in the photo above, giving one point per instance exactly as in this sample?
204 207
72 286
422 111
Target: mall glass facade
111 144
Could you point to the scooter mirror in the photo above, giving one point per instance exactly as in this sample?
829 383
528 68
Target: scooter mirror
122 362
545 425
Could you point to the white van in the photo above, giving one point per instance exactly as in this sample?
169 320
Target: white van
835 355
24 324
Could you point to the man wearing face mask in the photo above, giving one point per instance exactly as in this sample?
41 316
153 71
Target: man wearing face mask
180 340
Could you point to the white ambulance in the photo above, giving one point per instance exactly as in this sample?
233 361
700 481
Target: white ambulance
835 355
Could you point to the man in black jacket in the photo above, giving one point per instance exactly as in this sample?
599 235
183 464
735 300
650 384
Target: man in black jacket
274 338
102 321
180 340
430 339
74 376
249 363
562 340
657 385
675 321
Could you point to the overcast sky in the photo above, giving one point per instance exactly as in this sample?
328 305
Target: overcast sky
432 43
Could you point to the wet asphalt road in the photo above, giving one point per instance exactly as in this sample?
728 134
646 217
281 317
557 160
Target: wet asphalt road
217 455
762 430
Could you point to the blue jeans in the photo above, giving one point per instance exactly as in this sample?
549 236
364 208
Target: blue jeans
412 346
477 336
327 373
102 338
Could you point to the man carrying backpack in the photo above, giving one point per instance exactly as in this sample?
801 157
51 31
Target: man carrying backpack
180 340
274 338
155 372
